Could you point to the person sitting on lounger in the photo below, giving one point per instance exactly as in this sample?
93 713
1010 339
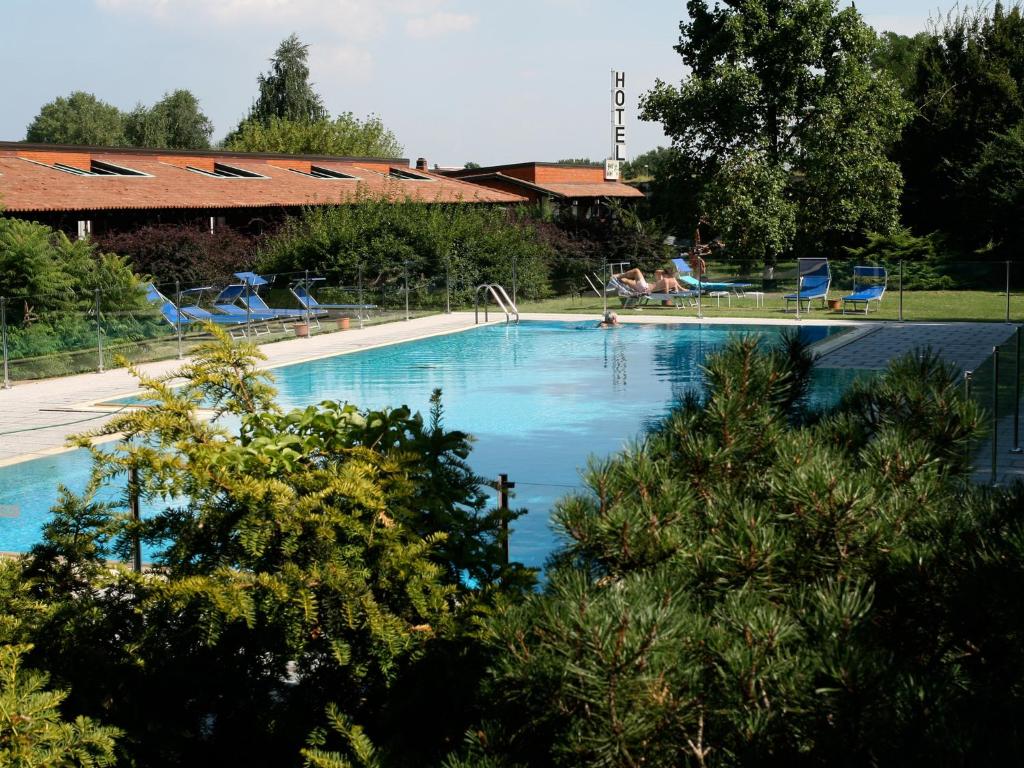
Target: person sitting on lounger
634 280
665 282
610 320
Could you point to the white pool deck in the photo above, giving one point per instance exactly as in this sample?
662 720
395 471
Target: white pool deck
38 417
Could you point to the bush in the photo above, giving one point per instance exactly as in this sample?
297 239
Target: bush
189 253
469 244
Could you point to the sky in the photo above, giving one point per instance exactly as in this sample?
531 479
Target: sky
488 81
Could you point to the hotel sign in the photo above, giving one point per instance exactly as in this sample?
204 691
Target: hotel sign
612 164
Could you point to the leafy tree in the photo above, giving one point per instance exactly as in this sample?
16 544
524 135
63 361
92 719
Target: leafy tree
32 733
346 135
174 122
755 585
471 164
993 193
898 55
285 91
969 88
80 118
783 112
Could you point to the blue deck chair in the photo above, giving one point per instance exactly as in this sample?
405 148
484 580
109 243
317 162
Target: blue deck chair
813 280
256 303
302 290
866 288
686 277
191 315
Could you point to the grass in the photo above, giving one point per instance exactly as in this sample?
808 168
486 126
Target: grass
962 306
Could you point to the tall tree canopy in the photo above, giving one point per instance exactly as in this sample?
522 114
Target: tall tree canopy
784 123
969 94
345 135
285 91
80 118
174 122
289 116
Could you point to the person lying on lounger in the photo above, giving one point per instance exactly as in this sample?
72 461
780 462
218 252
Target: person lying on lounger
634 280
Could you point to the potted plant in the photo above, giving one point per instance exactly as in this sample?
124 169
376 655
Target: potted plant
343 323
302 330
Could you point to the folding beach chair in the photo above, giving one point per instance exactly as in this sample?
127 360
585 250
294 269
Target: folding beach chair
866 287
302 290
813 280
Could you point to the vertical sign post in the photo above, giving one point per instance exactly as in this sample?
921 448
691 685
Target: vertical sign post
612 168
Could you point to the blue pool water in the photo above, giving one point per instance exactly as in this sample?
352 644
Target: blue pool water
539 398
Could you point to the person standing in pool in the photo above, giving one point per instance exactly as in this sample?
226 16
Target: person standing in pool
610 320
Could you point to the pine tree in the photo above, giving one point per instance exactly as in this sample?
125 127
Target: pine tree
753 584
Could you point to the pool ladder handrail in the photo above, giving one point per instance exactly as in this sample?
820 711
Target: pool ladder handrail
501 298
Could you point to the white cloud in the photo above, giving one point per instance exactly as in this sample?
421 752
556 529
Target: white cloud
439 23
340 64
352 20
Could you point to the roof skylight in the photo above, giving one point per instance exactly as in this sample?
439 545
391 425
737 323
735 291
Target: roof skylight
224 171
99 168
406 175
318 172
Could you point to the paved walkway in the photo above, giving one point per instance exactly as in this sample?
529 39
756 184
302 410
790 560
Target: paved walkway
966 345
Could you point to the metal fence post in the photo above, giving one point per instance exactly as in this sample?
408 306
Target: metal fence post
406 275
177 315
362 310
1016 398
3 333
133 503
305 287
995 414
901 290
1007 290
448 284
99 332
513 278
504 486
799 281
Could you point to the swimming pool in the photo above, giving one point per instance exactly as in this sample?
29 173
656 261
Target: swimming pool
539 398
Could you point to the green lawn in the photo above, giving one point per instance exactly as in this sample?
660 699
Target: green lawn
917 305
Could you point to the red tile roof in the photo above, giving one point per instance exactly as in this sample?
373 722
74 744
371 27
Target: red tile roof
29 182
558 188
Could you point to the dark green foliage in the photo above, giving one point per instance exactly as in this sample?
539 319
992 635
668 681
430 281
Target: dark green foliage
285 91
310 562
782 125
189 253
468 244
50 282
968 94
926 264
741 590
80 118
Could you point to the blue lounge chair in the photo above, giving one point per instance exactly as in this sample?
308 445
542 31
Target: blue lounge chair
686 277
869 289
224 303
302 291
183 316
813 280
252 299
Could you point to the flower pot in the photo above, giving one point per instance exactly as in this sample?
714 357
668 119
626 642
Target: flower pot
343 323
835 304
302 330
